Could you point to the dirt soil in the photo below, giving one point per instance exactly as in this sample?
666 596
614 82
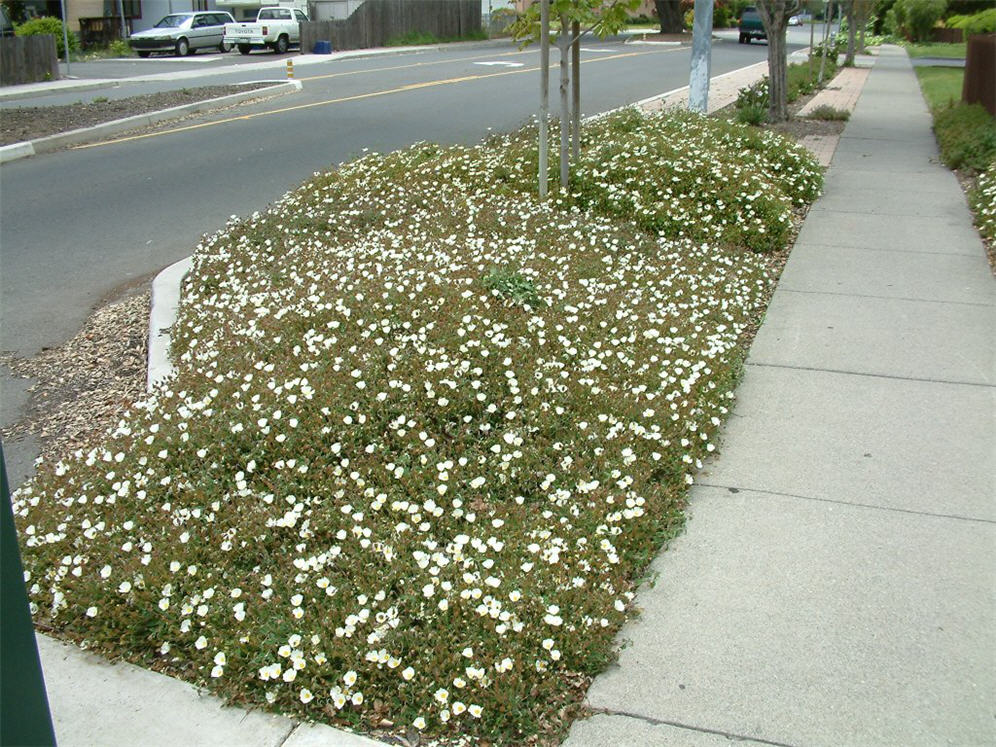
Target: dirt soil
18 124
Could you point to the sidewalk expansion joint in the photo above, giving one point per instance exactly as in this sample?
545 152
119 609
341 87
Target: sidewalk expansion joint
888 298
677 724
873 507
873 375
817 208
886 249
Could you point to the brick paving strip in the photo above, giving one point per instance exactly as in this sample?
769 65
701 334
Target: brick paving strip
842 93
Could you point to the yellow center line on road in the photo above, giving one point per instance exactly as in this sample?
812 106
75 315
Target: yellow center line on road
344 99
415 64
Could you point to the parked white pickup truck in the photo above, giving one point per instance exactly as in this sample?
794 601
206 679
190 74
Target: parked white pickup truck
275 27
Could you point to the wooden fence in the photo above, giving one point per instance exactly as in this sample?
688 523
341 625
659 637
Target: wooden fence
947 36
980 72
28 59
376 22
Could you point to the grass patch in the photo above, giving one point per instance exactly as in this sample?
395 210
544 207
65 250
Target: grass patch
426 431
941 86
955 51
830 114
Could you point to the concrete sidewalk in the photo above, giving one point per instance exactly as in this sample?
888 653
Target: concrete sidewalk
837 580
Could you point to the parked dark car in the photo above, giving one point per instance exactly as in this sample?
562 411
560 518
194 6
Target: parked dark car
183 34
751 26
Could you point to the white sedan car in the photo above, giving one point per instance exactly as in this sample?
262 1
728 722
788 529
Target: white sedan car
183 34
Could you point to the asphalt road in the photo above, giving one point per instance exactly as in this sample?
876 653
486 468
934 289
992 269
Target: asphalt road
76 225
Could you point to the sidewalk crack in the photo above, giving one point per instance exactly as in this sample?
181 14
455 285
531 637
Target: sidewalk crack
893 377
677 724
887 298
287 736
837 501
823 244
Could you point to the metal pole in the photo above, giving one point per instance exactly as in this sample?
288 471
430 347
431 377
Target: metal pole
65 34
124 27
563 44
698 88
812 26
544 94
23 700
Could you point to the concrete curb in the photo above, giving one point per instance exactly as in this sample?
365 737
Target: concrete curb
86 134
162 317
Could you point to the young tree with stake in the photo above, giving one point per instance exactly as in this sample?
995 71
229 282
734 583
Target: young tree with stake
569 17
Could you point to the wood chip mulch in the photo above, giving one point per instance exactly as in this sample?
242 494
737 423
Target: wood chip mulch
84 387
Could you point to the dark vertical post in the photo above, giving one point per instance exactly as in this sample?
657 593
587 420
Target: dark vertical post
26 719
563 44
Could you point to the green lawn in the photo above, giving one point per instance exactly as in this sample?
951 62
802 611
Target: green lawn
952 51
941 86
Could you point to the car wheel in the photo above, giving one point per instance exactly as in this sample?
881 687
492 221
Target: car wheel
182 47
144 53
244 49
281 46
225 48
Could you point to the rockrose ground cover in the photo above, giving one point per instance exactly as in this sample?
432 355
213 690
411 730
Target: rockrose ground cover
426 431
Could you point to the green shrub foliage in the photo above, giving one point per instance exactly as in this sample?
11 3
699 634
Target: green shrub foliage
48 25
966 134
915 18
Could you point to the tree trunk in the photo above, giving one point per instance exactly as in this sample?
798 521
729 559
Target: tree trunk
774 15
826 43
576 86
544 120
669 14
777 78
851 33
564 44
864 7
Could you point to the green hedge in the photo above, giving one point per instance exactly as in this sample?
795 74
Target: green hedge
978 23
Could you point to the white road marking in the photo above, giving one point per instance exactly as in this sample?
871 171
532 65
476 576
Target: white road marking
501 64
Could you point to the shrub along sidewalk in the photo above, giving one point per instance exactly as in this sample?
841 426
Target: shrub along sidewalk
426 431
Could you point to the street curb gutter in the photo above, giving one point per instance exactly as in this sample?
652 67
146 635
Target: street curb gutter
76 137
